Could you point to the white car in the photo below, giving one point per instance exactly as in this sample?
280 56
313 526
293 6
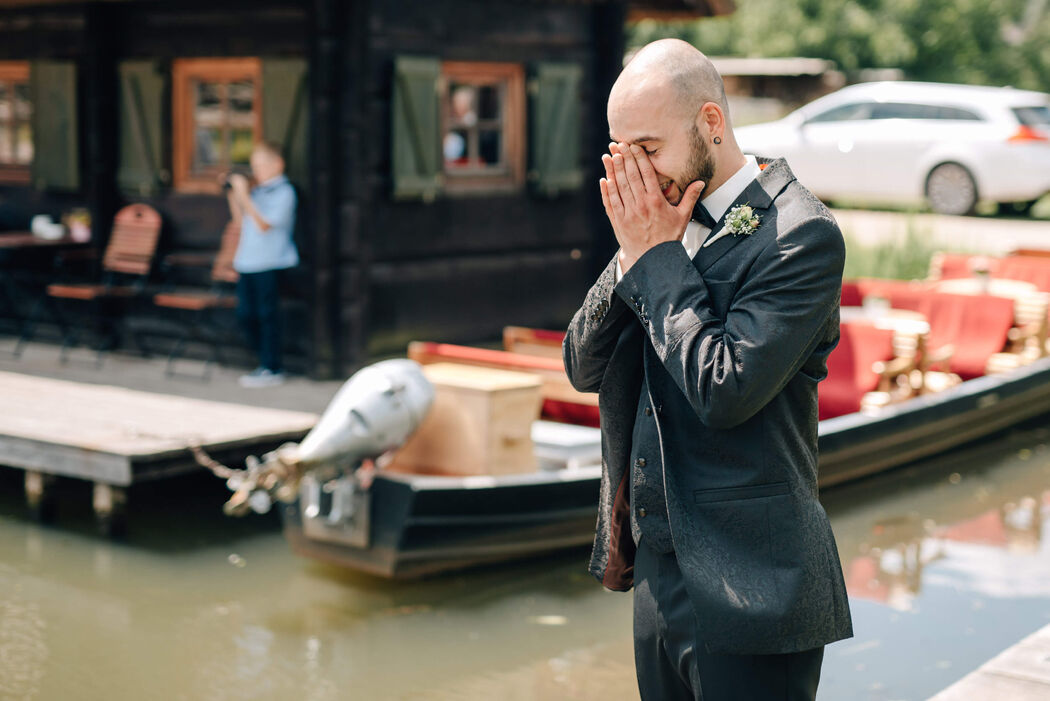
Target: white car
906 142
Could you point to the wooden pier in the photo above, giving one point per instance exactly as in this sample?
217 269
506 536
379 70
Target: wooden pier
1020 673
116 437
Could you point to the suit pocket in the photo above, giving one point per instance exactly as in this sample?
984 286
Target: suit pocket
757 491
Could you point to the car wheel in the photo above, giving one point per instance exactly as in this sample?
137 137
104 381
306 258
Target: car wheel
950 189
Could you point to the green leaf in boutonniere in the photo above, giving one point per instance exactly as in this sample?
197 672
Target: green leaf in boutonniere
742 220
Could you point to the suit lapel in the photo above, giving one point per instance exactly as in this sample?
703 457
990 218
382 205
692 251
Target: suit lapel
759 194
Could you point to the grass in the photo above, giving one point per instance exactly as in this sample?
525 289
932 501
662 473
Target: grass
902 259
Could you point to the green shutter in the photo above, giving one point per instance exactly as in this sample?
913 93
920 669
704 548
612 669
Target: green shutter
141 123
416 128
285 96
56 152
555 129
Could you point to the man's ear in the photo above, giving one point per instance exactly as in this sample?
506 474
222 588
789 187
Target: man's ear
711 120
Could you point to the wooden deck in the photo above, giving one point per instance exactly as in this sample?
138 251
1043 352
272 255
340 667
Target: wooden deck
1020 673
115 436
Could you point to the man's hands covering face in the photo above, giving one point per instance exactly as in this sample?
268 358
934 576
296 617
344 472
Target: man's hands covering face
641 216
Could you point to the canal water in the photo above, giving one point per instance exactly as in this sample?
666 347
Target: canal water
947 563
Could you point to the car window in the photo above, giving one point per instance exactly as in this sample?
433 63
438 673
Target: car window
1038 115
844 113
911 110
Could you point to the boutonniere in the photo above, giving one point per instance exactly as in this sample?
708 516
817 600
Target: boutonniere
742 220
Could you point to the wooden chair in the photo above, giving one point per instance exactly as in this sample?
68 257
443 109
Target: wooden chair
126 265
198 307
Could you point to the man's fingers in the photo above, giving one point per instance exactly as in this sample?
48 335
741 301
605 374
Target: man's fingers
634 176
645 167
690 196
603 185
620 181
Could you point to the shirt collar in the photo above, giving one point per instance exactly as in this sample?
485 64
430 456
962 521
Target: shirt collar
276 180
719 200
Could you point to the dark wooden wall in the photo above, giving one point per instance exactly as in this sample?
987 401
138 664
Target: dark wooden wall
376 273
461 267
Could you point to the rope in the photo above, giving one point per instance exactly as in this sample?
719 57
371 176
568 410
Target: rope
207 461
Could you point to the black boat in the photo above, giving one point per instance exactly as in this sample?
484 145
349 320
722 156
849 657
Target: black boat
412 525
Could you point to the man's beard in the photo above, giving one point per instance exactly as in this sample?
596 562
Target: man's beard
701 164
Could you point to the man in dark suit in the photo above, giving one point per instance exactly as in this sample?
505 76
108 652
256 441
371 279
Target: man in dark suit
705 339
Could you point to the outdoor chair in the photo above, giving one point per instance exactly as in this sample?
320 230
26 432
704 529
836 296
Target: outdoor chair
126 265
199 309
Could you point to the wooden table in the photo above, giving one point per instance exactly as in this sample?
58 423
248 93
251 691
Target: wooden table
25 239
115 437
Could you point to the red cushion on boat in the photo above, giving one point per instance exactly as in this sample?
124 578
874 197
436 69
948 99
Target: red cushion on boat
1033 269
850 376
975 324
902 294
957 265
570 412
851 296
548 335
511 361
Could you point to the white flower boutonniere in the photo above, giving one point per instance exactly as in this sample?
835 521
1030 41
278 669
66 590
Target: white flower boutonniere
742 220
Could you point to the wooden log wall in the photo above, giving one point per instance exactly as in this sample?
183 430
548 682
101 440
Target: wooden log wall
459 268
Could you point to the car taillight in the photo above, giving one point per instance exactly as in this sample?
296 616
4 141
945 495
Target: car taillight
1026 133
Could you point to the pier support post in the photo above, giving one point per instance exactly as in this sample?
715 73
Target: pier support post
110 505
40 496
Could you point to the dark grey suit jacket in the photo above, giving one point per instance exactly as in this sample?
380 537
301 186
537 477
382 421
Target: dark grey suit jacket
740 336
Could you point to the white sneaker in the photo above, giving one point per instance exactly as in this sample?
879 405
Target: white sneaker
262 377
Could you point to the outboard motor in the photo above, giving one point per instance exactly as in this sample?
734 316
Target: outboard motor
372 414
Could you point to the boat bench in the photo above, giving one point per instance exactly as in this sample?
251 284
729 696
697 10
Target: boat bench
561 401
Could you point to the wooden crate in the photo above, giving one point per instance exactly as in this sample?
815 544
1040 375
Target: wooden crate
480 423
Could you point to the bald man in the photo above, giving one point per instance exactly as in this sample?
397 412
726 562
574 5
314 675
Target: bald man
705 339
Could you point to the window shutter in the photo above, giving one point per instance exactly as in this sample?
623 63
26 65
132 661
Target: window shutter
555 134
141 122
285 95
56 152
416 128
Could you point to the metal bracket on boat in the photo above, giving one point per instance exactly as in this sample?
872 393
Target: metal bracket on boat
348 516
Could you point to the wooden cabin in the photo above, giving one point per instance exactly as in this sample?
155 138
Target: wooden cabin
445 151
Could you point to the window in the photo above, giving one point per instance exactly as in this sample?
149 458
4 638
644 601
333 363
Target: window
1035 116
844 113
16 131
910 110
217 119
482 116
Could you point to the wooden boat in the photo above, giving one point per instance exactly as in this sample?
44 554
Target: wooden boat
410 525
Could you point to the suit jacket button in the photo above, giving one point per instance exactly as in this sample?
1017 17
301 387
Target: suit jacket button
640 462
641 512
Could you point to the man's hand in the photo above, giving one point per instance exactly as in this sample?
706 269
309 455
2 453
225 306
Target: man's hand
641 216
239 184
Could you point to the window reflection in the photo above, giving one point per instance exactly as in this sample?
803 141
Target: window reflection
224 124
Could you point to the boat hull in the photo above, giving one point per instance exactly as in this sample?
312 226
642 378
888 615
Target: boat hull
421 525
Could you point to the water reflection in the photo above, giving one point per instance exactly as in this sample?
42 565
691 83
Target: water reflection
947 563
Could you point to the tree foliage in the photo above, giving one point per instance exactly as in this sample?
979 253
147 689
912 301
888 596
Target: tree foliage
988 42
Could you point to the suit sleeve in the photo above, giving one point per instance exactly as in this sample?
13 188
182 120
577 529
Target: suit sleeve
593 332
729 371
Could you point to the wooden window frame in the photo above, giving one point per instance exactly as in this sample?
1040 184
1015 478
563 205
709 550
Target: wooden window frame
183 72
513 126
15 173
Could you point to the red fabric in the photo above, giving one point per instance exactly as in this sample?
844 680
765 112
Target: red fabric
849 367
570 412
975 324
851 296
1033 269
902 294
546 335
957 265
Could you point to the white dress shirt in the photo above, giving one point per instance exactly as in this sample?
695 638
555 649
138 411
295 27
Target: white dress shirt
716 203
